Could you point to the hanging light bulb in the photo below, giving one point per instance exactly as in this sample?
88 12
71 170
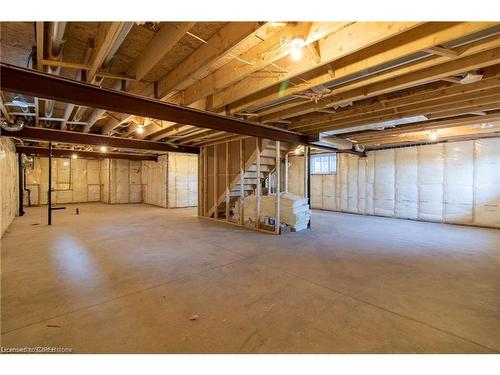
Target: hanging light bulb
296 48
433 135
103 148
140 130
74 156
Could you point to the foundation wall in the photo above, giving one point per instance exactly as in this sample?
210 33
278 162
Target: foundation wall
73 181
172 181
456 182
9 183
154 181
182 180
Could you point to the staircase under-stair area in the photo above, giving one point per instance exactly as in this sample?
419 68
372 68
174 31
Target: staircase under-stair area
267 165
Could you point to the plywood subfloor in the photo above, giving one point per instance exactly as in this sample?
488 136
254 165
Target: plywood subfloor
127 278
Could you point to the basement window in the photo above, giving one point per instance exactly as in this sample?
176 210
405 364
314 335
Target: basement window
324 164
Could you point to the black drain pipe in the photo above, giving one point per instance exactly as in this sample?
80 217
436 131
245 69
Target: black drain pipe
26 189
49 198
21 186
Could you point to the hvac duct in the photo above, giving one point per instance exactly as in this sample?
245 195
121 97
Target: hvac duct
80 111
331 141
55 49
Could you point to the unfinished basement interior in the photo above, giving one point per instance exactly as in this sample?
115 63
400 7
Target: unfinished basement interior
250 187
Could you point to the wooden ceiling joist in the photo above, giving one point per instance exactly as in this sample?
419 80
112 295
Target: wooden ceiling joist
163 41
418 103
107 35
362 136
345 41
216 47
433 72
262 55
394 49
441 51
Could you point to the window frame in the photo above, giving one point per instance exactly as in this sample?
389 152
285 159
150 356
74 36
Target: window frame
322 172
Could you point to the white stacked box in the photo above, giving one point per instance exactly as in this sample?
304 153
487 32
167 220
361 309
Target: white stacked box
294 210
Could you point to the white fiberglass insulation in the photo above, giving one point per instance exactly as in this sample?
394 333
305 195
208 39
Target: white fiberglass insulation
296 175
182 180
171 182
8 183
456 182
121 181
154 181
74 181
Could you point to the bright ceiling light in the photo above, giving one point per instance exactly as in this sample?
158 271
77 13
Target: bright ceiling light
20 101
296 48
140 130
486 125
471 77
103 148
433 135
74 156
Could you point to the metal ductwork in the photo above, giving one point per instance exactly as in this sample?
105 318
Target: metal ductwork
335 142
80 111
55 51
15 127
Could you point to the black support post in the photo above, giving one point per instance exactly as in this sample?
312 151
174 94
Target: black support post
21 185
307 152
49 197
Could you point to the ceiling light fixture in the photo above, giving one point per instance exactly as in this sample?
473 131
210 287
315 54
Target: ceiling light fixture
433 135
296 48
486 125
74 156
20 102
140 130
103 148
471 77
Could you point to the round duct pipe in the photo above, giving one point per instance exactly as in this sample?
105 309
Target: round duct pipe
15 127
55 49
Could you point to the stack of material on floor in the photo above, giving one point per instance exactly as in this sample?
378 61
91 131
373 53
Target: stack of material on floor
294 210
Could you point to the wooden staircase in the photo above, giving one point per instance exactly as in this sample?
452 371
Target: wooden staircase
267 165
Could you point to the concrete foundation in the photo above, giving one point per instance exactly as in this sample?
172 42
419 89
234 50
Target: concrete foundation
128 278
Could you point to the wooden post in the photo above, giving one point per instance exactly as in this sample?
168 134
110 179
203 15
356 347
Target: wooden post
286 173
306 171
227 181
201 188
242 181
20 172
278 197
258 187
216 198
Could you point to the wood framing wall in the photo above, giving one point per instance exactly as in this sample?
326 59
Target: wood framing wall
456 182
232 171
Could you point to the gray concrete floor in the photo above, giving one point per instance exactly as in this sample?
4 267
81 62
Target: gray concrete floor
127 278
